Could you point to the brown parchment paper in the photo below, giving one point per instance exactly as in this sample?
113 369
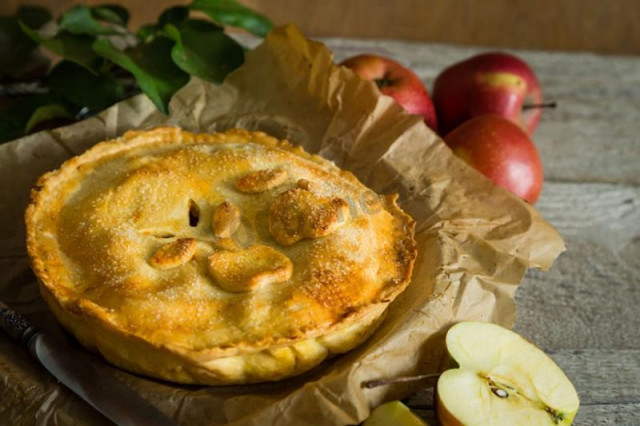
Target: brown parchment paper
475 240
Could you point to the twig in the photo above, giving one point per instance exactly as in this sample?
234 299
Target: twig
23 89
37 87
369 384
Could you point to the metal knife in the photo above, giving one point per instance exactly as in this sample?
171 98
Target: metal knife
112 398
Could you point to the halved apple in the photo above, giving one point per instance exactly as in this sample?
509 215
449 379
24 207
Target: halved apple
502 379
393 413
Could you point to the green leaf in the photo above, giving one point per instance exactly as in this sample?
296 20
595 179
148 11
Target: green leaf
46 113
232 13
76 48
151 65
15 46
18 117
12 39
80 20
146 32
174 15
82 88
33 16
18 57
202 49
13 121
113 13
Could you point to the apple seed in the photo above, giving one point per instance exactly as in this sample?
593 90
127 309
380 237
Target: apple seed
500 393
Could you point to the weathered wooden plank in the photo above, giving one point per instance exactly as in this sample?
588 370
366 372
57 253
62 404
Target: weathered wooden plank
602 377
593 307
590 297
611 414
591 136
593 212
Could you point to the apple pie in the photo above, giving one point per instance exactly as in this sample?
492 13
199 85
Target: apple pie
218 258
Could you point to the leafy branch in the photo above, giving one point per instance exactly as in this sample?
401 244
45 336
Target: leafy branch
102 61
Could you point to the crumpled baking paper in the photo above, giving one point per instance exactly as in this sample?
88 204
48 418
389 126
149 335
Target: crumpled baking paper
475 240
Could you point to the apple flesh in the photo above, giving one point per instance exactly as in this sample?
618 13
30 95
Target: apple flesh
502 379
502 151
490 83
398 82
393 413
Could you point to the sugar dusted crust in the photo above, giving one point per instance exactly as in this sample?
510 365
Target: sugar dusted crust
140 253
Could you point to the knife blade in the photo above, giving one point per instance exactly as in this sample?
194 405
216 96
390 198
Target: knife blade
112 398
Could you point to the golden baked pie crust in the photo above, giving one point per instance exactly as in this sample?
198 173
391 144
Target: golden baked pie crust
130 243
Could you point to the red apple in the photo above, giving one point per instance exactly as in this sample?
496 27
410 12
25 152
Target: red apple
490 83
502 151
397 81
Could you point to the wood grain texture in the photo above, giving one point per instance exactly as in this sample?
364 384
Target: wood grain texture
603 377
590 298
609 415
594 25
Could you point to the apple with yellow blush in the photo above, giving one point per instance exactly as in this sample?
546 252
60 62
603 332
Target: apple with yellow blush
490 83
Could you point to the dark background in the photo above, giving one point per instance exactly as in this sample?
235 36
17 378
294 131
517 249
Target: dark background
607 26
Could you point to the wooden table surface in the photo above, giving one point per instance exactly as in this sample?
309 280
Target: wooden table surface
585 311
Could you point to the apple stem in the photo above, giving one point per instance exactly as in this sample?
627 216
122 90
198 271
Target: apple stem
370 384
383 82
542 105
